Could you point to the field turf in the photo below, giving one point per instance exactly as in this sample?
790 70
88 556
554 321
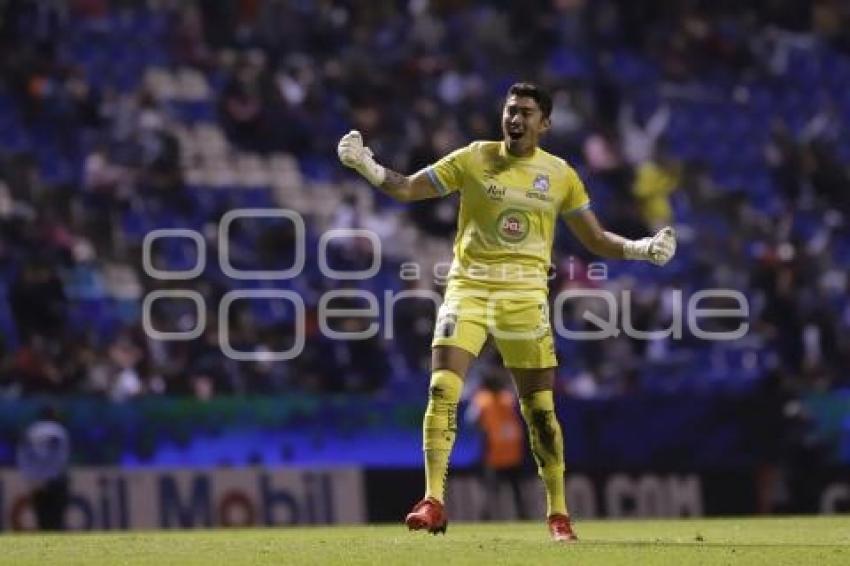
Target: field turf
800 541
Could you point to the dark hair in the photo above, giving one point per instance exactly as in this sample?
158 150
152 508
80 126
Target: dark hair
531 90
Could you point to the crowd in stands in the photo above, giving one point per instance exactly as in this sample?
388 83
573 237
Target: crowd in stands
725 119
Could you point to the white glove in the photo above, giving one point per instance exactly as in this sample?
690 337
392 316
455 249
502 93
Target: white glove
353 154
659 249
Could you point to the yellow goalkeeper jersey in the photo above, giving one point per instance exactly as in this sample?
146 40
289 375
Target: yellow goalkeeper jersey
508 209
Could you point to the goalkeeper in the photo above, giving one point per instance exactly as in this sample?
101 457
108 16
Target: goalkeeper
511 193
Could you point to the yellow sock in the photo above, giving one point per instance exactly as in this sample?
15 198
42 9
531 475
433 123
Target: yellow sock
547 445
439 428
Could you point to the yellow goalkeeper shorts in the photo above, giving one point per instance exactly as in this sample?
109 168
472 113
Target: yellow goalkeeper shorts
518 320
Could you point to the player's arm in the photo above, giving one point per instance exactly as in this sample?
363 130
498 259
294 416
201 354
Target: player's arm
658 249
408 188
352 153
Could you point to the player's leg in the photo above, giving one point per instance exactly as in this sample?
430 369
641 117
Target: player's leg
537 405
458 337
439 428
524 337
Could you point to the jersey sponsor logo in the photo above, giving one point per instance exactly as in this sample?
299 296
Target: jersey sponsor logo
494 192
513 225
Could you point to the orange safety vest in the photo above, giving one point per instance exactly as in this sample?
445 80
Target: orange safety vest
502 429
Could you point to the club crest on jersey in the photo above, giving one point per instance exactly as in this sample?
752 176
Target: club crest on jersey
446 324
513 225
539 188
541 183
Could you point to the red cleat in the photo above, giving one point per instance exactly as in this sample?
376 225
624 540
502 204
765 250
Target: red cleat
561 528
427 514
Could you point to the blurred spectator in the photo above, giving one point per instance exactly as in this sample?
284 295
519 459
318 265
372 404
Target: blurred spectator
413 324
639 140
125 381
829 177
655 181
38 301
493 409
243 105
43 456
785 161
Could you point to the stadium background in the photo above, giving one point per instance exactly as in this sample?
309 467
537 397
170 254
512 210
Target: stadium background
727 119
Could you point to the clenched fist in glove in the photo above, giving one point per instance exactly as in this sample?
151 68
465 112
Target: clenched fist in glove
658 249
352 153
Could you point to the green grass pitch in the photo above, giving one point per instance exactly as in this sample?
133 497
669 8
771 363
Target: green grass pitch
799 541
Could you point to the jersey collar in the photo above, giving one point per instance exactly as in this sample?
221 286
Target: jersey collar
503 152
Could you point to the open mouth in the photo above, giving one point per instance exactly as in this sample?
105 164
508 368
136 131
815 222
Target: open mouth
515 133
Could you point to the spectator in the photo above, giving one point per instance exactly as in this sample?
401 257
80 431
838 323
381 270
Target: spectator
656 180
43 456
413 323
38 301
494 409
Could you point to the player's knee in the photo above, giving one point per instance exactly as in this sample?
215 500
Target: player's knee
452 358
529 382
441 414
538 409
446 386
533 404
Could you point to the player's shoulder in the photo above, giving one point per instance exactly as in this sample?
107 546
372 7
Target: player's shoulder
556 163
484 147
553 160
478 153
471 149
